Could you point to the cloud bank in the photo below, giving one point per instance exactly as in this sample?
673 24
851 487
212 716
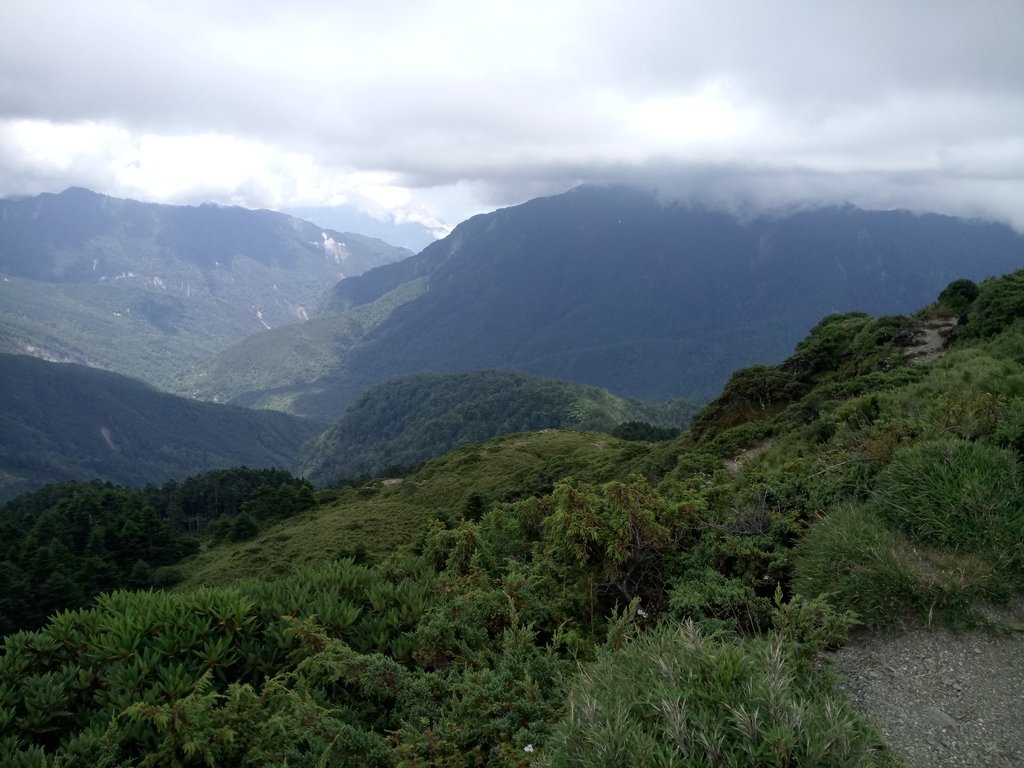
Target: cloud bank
432 111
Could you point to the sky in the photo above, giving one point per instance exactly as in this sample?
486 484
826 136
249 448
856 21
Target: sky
430 112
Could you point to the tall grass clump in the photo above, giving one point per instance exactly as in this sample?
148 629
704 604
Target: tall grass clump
951 493
854 558
864 566
675 696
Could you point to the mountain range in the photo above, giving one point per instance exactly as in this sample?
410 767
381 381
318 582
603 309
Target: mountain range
144 289
634 297
607 286
545 598
448 614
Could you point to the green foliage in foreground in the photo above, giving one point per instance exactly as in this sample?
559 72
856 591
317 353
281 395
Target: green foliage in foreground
698 700
345 666
458 655
568 598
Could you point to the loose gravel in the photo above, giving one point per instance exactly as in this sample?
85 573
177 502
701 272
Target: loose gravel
941 698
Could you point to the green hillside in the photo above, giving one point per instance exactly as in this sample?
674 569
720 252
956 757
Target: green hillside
62 421
415 418
388 513
110 325
569 599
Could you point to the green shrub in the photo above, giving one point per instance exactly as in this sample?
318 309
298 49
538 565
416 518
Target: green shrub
730 442
865 567
718 602
753 393
827 347
676 696
618 532
244 527
872 348
999 303
956 494
958 295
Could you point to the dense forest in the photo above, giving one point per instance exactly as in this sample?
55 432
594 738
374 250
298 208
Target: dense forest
567 599
66 543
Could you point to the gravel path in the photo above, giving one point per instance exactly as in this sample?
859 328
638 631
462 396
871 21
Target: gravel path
928 342
940 698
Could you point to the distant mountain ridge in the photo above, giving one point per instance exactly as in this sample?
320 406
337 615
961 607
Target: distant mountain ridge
409 420
407 234
63 421
617 288
68 422
86 276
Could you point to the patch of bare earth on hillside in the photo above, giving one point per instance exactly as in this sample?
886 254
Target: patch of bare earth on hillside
735 464
939 698
928 341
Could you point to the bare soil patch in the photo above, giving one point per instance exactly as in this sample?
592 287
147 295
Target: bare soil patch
928 341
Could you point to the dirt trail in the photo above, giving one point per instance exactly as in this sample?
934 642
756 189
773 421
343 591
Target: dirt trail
928 342
940 699
943 699
734 465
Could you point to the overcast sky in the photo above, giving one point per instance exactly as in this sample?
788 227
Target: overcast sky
433 111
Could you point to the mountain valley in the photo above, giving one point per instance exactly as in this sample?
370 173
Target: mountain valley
144 289
63 421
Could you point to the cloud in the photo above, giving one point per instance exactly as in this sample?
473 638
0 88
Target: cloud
435 110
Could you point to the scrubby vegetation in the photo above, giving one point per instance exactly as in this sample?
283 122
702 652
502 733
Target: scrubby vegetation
573 599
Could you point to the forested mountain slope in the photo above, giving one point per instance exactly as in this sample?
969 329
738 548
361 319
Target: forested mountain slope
64 544
61 421
408 420
614 287
142 288
568 599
